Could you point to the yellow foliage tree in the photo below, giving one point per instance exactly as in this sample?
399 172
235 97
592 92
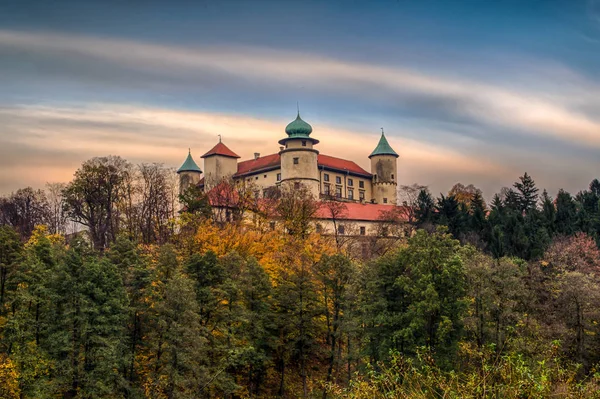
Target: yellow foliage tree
9 379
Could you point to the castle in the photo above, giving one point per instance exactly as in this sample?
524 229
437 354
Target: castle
299 163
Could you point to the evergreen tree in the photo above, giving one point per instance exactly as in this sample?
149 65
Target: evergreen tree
526 193
421 298
425 207
566 213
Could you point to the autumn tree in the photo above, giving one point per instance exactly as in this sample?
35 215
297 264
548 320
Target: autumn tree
24 209
91 198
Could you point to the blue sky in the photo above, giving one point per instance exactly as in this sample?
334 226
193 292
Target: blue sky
467 91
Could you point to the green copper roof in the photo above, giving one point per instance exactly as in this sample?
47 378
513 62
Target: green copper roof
383 148
298 128
189 165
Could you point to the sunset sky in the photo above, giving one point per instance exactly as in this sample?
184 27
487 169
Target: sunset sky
467 91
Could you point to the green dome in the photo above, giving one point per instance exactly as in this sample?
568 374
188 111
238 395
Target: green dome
189 165
383 148
298 128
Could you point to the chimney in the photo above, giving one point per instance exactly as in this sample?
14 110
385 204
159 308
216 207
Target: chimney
256 155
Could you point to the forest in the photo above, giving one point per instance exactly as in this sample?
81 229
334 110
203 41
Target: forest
108 290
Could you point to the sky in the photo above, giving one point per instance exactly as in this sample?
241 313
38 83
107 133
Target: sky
476 92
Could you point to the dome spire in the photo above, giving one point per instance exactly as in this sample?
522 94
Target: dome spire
189 165
383 147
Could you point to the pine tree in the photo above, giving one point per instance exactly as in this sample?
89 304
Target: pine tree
425 207
527 193
566 213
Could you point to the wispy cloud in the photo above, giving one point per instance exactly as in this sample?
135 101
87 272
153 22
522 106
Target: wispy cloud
528 111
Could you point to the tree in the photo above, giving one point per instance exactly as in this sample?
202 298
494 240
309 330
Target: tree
56 220
92 197
566 213
10 252
452 214
409 199
176 354
24 209
334 274
464 194
526 194
296 208
155 207
416 297
425 207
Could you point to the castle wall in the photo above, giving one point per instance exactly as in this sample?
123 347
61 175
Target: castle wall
262 180
345 186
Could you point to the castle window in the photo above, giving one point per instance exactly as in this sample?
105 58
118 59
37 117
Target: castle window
326 177
327 189
341 229
338 192
256 178
361 184
296 186
384 231
272 225
392 176
296 160
363 230
319 228
385 200
350 182
350 194
278 176
338 180
375 178
303 143
361 195
265 176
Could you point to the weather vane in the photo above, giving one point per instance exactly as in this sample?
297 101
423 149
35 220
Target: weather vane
219 137
381 130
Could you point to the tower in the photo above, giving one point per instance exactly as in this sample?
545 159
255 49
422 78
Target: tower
219 163
189 173
384 168
299 165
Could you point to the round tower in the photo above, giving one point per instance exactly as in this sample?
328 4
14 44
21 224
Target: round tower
189 173
299 158
384 168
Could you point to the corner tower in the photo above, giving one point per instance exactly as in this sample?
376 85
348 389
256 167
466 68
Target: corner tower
219 163
298 157
384 167
189 173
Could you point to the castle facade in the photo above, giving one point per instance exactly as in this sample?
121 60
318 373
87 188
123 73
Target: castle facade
299 163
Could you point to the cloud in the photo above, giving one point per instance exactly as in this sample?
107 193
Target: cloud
539 113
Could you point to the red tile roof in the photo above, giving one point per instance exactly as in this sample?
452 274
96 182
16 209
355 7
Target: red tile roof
341 164
365 212
262 163
221 149
274 160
